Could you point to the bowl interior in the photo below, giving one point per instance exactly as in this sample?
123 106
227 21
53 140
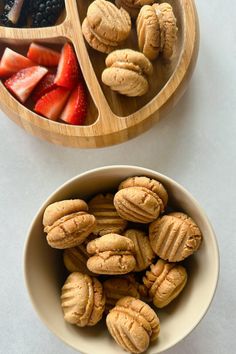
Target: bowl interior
45 274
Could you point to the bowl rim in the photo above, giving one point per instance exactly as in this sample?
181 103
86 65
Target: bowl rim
145 171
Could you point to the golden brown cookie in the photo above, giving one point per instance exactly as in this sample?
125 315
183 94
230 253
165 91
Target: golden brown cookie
129 56
168 28
108 220
133 6
116 288
57 210
138 204
149 183
143 251
70 230
174 237
127 66
127 72
126 82
148 32
82 300
75 259
105 26
108 21
165 282
111 254
133 324
95 41
157 30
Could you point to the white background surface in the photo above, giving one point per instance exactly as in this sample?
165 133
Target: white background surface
195 144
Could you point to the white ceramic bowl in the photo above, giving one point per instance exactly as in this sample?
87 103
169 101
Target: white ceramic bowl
44 270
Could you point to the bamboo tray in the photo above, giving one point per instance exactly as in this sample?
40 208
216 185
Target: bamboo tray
112 118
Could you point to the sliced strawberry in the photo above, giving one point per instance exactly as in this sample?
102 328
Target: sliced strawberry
68 71
12 62
43 55
45 85
22 83
51 104
76 108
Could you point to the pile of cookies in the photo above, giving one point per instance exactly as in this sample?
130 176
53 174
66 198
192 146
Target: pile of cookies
122 251
107 26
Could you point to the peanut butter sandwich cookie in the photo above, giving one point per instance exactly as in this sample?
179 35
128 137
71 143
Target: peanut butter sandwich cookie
149 183
165 282
127 72
168 28
116 288
108 220
105 26
157 30
82 300
133 6
144 254
57 210
174 237
133 324
140 199
111 254
67 223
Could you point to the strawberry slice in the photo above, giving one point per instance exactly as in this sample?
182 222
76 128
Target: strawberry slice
52 103
44 86
76 108
12 62
68 69
43 55
24 81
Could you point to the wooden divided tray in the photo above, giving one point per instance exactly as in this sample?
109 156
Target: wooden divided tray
112 118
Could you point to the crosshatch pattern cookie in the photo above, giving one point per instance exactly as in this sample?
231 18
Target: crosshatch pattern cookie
111 254
116 288
133 324
127 72
108 220
82 300
66 224
174 237
105 26
144 254
165 282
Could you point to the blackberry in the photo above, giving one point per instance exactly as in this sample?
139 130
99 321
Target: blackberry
46 12
15 13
